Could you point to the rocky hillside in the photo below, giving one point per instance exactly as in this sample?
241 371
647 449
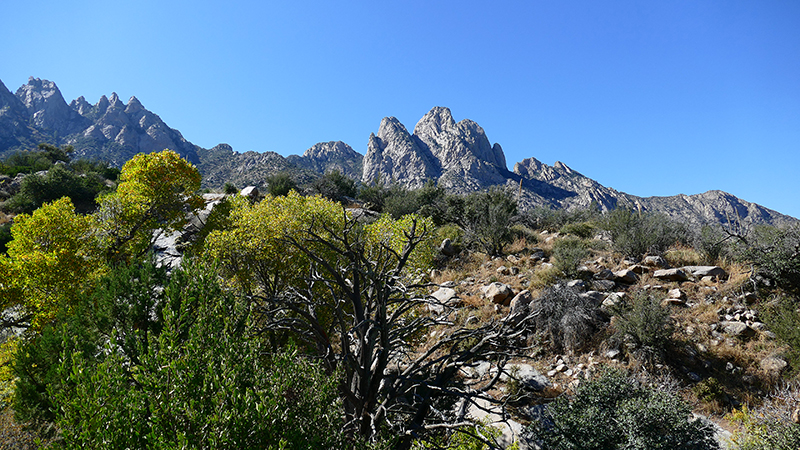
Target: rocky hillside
458 155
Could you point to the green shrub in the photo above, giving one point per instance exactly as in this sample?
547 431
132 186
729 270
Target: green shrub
568 254
334 186
58 182
487 220
279 184
645 324
566 319
637 233
783 318
711 243
583 230
776 255
616 412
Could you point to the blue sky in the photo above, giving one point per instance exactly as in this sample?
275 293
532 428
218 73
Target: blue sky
650 98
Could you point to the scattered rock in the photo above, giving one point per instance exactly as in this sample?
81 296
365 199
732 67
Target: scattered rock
671 275
706 271
577 284
614 299
498 293
773 365
676 293
638 269
737 329
596 297
656 261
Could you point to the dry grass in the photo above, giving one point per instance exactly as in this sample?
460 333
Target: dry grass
682 255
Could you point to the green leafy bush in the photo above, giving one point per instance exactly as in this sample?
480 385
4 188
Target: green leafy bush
568 254
783 318
614 411
645 324
637 233
487 219
279 184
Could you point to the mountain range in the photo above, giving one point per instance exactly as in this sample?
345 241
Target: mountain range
457 155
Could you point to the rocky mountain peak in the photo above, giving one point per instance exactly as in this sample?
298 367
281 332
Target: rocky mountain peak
101 106
328 156
134 106
47 107
81 105
114 101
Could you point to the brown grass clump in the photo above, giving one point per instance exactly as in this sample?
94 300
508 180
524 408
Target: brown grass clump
682 255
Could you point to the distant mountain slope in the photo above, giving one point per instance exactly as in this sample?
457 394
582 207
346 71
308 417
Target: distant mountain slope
458 155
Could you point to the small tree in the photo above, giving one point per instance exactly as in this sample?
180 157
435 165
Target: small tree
156 190
487 218
565 318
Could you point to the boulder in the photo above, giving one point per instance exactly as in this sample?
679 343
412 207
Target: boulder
527 376
737 329
706 271
773 365
498 293
671 275
604 274
250 192
520 308
447 248
626 276
656 261
613 299
603 285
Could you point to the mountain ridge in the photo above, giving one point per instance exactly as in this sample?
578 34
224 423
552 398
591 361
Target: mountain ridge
457 155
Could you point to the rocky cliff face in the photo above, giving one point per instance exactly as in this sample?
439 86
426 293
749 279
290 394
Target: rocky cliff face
457 155
110 129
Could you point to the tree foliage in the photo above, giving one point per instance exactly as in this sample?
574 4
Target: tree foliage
50 260
637 233
156 190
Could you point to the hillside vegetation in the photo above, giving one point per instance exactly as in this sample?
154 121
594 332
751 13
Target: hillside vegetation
327 313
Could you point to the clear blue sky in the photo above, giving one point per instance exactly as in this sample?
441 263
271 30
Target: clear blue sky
650 98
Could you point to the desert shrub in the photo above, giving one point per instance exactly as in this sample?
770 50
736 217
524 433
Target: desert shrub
770 426
566 319
25 162
783 318
568 254
541 218
335 186
683 255
712 243
615 411
199 381
637 233
644 323
279 184
776 254
710 390
463 438
231 189
487 220
583 230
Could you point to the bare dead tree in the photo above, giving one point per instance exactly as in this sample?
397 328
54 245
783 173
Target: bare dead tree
368 323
